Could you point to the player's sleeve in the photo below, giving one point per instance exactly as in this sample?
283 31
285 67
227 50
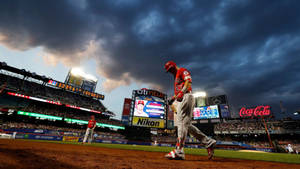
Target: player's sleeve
186 75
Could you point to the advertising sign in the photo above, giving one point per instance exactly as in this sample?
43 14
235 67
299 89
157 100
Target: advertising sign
148 122
255 112
126 107
125 120
206 112
70 139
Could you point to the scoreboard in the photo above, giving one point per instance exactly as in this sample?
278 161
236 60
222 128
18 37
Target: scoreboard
75 89
149 108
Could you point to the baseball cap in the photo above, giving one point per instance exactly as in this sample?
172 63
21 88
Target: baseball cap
141 102
169 65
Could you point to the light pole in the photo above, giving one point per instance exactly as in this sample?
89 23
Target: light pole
200 98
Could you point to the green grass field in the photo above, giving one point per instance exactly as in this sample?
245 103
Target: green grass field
274 157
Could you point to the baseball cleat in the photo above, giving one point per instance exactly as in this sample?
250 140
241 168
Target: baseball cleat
211 150
175 155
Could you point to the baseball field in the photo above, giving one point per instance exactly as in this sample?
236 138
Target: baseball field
55 155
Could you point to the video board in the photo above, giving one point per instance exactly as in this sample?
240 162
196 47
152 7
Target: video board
89 86
224 110
75 81
149 108
206 112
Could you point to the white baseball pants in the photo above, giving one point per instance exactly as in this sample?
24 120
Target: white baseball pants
88 135
184 117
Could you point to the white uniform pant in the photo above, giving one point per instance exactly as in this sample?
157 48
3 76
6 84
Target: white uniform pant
88 135
184 116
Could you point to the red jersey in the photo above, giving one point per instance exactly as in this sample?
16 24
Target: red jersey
181 76
91 124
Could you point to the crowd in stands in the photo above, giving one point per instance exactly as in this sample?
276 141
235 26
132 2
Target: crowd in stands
70 113
43 91
49 110
33 88
244 127
14 125
55 111
254 127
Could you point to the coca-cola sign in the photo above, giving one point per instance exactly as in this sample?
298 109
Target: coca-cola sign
257 111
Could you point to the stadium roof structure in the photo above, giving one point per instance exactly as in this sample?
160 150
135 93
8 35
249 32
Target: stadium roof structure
4 66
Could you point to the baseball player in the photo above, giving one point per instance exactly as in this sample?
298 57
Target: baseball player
290 148
90 129
139 111
185 104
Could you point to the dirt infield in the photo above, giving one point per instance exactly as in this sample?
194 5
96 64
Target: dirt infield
42 155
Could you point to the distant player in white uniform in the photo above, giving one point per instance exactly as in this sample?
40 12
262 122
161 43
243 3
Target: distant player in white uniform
290 148
185 106
90 130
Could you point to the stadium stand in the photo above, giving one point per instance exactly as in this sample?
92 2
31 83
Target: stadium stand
25 87
28 102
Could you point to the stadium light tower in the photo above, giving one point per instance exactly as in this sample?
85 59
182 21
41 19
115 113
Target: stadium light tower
78 78
200 98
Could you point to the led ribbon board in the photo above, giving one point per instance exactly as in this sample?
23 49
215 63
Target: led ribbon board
43 116
52 102
33 98
49 117
75 89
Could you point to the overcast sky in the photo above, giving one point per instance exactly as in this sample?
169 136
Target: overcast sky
248 50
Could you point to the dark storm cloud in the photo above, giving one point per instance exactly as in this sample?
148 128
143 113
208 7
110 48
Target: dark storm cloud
248 50
59 25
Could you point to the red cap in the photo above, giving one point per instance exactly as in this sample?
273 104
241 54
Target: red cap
169 65
141 102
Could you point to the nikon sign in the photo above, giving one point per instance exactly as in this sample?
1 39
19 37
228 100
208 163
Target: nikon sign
148 122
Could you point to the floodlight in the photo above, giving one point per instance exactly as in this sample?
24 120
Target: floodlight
199 94
77 72
81 73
